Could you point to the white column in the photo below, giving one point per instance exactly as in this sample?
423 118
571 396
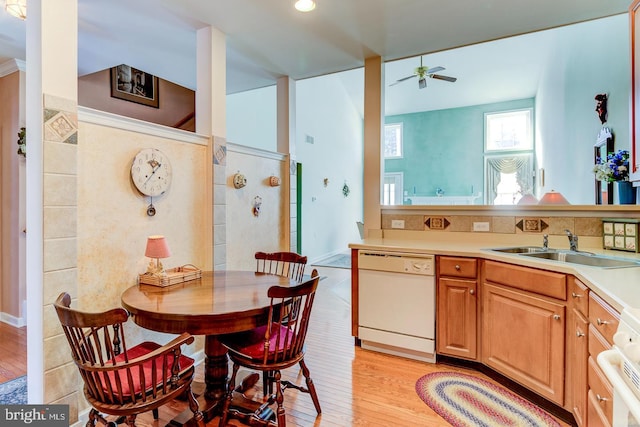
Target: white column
286 144
373 131
211 120
52 64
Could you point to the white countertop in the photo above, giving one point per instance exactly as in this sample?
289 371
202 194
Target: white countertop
620 287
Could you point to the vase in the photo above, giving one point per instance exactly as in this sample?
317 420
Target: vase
626 193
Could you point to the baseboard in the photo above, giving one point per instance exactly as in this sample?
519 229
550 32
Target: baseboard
17 322
328 255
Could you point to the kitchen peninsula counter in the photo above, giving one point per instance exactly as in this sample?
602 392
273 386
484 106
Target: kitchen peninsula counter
620 287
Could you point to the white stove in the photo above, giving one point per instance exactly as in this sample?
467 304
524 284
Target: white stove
621 365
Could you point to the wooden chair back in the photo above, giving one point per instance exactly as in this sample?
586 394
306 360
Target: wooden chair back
119 380
287 264
287 329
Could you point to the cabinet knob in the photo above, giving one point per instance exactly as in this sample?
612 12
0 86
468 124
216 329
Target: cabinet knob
574 295
601 399
579 334
601 322
457 267
556 317
472 291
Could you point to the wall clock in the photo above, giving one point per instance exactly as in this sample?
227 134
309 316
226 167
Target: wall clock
151 174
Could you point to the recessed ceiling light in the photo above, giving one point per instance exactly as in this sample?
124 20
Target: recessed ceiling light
17 8
305 5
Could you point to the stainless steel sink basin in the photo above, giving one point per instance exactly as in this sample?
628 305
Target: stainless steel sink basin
584 259
520 249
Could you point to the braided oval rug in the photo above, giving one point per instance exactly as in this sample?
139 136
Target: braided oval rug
466 401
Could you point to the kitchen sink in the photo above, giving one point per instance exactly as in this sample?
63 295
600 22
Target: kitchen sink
583 259
520 249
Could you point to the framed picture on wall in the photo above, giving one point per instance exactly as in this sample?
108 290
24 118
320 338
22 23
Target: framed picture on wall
603 146
131 84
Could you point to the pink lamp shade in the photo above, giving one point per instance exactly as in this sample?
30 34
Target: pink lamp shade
157 247
528 199
553 198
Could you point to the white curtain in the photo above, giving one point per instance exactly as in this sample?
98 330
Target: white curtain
521 165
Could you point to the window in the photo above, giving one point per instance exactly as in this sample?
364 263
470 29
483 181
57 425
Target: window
509 165
509 130
393 141
508 178
392 188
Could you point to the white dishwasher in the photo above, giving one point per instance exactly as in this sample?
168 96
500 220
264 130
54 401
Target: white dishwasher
397 303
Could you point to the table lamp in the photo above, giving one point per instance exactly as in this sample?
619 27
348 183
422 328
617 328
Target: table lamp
157 247
553 198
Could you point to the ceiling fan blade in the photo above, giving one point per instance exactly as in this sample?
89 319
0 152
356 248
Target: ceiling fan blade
403 79
432 70
441 77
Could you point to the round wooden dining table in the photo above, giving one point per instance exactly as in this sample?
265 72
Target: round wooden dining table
219 302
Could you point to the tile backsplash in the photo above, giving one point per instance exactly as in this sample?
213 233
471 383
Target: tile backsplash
582 226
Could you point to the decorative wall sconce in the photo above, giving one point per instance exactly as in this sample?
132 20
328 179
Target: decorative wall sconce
326 181
22 142
274 181
257 205
345 190
239 180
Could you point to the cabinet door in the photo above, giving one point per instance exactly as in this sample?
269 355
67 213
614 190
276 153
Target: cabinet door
457 318
523 337
579 367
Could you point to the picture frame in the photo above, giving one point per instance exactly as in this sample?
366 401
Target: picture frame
131 84
603 146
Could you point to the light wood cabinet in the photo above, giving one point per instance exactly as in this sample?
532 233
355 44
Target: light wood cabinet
523 334
456 324
603 323
577 371
578 351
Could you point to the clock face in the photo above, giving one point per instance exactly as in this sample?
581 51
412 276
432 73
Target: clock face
151 172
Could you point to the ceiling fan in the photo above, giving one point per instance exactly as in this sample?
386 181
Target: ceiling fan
423 72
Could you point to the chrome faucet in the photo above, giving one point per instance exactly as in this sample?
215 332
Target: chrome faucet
573 240
545 242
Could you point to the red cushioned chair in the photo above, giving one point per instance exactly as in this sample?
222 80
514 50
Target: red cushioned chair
122 381
287 264
274 347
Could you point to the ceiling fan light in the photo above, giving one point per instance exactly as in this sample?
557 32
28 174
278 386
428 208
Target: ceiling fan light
305 5
17 8
422 83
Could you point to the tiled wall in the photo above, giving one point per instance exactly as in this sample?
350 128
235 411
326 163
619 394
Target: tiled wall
582 226
60 151
219 203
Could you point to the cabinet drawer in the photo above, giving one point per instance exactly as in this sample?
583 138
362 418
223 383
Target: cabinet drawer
602 390
604 318
595 414
458 267
529 279
579 295
597 343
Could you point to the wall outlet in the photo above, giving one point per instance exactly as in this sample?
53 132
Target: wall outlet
480 226
397 223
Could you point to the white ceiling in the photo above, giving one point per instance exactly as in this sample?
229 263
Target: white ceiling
268 39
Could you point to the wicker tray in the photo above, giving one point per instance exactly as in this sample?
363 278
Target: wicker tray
174 276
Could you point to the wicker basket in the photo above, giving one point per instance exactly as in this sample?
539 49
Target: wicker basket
174 276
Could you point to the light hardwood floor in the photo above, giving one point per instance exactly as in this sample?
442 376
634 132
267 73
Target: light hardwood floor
356 387
13 357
